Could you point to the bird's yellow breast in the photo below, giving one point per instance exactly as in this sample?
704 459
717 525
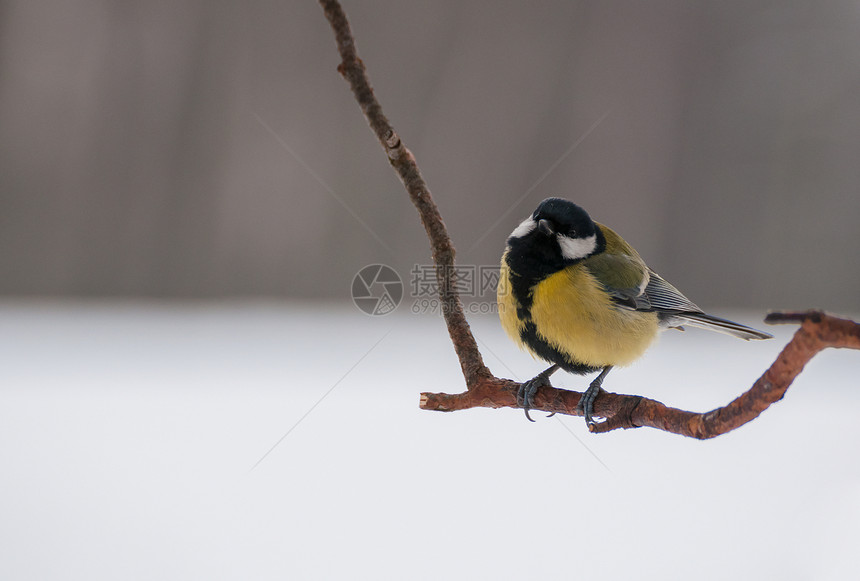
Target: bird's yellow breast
573 313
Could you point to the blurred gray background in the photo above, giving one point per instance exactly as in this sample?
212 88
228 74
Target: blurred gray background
191 148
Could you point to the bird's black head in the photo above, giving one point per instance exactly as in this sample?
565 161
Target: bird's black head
557 234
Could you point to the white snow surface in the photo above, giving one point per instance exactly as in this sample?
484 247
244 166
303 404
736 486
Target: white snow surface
128 433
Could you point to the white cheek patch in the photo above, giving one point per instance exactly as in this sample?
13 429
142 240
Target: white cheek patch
577 248
524 228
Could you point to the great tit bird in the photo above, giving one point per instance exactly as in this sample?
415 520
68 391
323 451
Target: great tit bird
575 294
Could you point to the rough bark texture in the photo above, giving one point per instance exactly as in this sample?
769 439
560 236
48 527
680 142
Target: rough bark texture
817 331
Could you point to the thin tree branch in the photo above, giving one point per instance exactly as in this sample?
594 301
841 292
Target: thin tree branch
352 69
817 331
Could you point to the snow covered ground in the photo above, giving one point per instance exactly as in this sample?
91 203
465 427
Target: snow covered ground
128 433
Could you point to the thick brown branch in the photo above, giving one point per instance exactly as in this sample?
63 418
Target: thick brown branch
818 331
404 163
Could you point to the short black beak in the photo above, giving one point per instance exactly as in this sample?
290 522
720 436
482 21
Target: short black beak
545 226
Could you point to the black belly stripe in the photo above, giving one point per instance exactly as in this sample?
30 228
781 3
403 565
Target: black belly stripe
528 264
549 353
521 288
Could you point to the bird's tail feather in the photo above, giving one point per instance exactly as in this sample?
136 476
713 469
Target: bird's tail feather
713 323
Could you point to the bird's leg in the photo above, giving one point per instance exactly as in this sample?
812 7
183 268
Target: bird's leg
586 402
527 389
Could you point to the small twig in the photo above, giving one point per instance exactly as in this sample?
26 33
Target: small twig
787 317
817 331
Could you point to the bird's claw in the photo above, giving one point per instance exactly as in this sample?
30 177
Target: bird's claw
527 390
586 402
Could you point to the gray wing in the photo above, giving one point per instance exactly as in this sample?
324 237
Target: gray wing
674 309
655 295
665 298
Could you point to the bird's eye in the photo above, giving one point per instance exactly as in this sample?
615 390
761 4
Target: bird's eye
572 233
